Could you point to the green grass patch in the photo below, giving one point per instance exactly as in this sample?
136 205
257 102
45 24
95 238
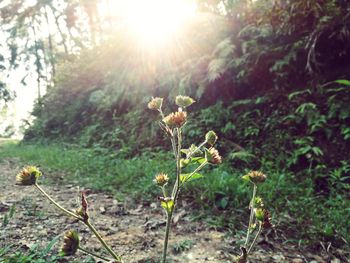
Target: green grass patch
220 198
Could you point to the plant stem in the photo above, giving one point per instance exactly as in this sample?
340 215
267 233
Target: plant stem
69 213
110 251
255 238
166 237
193 152
94 255
196 170
251 217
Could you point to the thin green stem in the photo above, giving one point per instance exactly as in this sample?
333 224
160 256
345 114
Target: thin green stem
166 237
67 212
164 191
196 170
251 217
110 251
255 238
190 154
94 255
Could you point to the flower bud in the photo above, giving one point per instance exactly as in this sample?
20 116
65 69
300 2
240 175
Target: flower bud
255 177
212 155
184 101
70 243
175 119
259 214
155 103
211 137
28 176
161 179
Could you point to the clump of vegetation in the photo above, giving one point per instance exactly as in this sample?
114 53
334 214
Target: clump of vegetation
189 162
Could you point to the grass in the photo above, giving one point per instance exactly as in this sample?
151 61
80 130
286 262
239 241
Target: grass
220 197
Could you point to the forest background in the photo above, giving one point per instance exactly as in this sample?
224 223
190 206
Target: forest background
271 77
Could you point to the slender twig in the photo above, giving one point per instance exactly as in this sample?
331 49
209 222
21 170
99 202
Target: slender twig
251 215
255 238
94 255
110 251
67 212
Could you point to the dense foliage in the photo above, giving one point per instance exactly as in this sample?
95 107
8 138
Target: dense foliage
274 75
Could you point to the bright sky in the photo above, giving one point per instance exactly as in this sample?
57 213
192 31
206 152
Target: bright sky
153 22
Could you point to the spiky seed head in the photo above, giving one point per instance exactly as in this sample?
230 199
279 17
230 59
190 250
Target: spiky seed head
211 138
175 119
255 177
70 243
161 179
184 101
213 156
28 176
155 103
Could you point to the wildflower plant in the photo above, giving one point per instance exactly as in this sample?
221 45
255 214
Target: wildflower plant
194 156
28 176
259 218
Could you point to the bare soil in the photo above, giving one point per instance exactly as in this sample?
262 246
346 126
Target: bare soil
134 231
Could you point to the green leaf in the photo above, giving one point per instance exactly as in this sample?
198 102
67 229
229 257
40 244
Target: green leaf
187 178
199 160
343 82
168 205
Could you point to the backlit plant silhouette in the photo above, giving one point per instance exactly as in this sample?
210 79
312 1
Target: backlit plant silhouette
195 157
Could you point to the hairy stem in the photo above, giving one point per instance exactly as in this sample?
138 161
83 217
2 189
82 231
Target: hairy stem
67 212
255 238
110 251
166 237
251 217
94 255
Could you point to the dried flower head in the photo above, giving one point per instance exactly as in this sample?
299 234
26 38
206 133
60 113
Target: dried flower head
211 137
255 177
83 210
28 176
175 119
267 219
70 243
213 156
161 179
155 103
184 101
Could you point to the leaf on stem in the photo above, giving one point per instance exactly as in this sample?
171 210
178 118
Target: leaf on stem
188 177
167 204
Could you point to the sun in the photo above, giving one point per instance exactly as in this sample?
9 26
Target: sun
155 22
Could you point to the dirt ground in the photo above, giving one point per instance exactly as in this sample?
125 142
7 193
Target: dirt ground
135 232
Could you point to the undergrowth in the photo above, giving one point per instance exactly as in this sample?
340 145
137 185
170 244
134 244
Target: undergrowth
220 193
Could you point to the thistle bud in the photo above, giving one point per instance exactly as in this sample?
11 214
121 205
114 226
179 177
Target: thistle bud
161 179
70 243
28 176
211 137
175 119
255 177
155 103
184 101
212 155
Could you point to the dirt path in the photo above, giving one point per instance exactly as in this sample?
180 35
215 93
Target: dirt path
135 232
